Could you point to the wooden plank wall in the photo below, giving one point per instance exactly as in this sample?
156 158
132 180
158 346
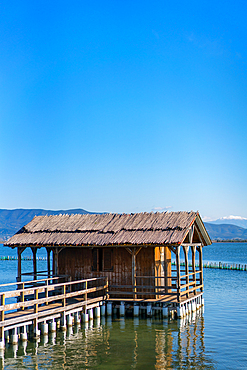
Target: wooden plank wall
77 262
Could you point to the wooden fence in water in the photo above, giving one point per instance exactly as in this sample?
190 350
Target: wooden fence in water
220 265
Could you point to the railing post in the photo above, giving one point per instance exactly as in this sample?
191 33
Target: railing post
64 292
46 291
2 318
36 297
107 288
22 295
69 281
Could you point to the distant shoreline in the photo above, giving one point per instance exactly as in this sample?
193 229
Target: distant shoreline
229 241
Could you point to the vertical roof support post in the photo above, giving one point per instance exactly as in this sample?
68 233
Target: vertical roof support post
19 264
55 262
178 272
34 250
168 269
19 252
193 252
134 271
134 251
48 250
186 270
200 267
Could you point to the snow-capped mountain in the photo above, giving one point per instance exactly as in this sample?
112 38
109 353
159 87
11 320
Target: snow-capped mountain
232 220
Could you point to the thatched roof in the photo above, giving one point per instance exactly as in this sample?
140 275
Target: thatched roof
109 229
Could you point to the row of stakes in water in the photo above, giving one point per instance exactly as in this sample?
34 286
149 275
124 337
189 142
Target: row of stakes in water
23 258
219 265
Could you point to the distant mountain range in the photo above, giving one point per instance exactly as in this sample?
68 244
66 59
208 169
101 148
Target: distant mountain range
231 220
225 231
13 220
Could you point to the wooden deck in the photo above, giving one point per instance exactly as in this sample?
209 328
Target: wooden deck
168 299
47 301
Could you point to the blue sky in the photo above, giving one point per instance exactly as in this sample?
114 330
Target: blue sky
124 106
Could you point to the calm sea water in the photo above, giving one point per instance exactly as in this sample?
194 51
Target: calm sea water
215 339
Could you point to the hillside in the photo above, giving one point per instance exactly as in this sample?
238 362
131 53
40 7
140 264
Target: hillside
13 220
225 231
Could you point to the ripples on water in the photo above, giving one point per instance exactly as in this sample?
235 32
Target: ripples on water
215 340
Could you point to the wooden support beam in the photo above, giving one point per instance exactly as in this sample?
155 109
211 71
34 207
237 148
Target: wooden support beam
193 252
55 266
198 232
138 250
178 272
134 271
19 251
48 250
55 262
34 250
186 265
191 244
133 251
191 233
173 249
201 268
19 265
167 268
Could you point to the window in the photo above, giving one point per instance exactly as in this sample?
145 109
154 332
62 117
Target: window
102 259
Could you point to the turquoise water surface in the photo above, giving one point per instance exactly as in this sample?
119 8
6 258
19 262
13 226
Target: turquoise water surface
215 339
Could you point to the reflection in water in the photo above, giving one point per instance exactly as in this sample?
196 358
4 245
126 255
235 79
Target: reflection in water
117 344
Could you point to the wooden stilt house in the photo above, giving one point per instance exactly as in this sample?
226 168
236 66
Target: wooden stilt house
134 251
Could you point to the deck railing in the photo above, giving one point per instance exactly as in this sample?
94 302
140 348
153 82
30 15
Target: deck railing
159 287
46 298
